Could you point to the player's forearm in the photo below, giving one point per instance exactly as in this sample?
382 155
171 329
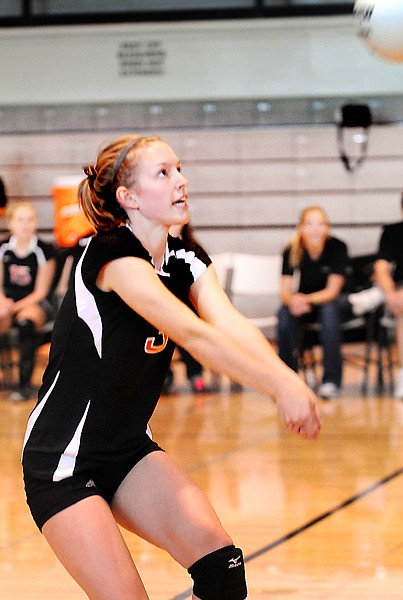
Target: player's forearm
252 363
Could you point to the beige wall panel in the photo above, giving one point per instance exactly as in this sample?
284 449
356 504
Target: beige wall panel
357 207
386 140
282 143
243 210
68 148
285 209
239 144
292 142
377 174
378 208
359 241
198 145
241 178
257 241
352 208
302 177
25 181
206 145
271 241
332 176
322 142
279 143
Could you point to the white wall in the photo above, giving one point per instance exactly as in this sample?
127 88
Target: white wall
213 59
247 185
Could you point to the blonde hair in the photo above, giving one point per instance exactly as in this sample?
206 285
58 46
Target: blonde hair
296 244
23 204
114 167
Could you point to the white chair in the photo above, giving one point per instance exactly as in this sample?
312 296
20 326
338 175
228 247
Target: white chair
385 339
222 263
252 283
253 287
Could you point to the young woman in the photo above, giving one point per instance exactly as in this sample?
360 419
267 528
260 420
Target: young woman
321 262
27 266
89 458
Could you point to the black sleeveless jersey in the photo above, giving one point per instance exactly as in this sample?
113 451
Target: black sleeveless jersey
107 364
19 272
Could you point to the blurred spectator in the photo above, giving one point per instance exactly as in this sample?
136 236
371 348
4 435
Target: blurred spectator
3 198
27 267
320 261
389 277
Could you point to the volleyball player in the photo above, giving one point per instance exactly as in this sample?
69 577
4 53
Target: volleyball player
89 458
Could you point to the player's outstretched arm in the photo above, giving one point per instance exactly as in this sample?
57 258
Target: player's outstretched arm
247 358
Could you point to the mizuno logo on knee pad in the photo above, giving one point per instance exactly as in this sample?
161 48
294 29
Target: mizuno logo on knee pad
220 575
235 562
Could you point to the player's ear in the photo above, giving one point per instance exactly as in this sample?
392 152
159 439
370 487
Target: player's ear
126 198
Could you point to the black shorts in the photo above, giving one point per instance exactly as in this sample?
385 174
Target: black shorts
46 498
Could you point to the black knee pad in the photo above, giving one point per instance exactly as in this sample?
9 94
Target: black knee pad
220 575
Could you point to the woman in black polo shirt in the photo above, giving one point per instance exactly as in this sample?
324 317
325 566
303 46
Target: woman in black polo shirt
320 261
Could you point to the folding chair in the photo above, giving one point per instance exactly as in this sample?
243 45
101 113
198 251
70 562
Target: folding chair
383 338
252 283
308 335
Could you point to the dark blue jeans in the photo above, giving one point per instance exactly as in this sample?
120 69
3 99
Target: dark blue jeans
290 330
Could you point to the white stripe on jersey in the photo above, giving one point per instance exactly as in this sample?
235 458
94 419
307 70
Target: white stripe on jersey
40 256
37 411
87 309
33 248
197 266
67 461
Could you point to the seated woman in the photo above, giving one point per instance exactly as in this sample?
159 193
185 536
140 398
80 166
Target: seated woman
321 261
26 271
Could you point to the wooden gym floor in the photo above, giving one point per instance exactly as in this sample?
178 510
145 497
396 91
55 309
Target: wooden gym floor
316 520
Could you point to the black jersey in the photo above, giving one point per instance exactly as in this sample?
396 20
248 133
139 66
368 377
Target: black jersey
20 271
107 364
314 273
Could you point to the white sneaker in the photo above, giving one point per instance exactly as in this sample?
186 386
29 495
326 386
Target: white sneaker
328 391
16 397
366 300
310 378
388 320
398 392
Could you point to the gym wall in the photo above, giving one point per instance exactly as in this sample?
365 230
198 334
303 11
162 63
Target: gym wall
249 106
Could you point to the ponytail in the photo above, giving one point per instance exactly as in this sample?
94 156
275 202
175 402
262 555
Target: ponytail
115 166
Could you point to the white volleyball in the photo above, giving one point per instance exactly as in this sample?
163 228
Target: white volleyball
380 25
